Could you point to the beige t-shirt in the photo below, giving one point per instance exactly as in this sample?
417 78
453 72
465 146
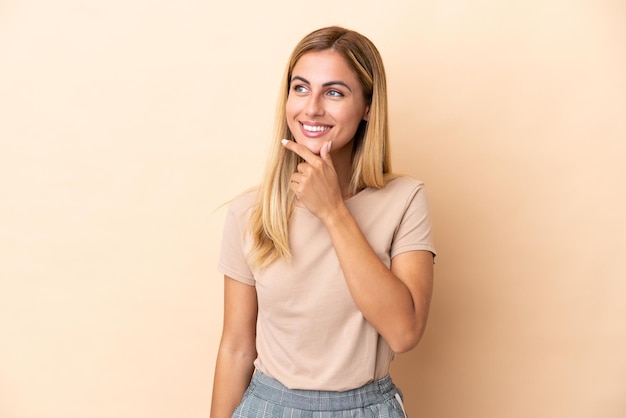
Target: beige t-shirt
310 333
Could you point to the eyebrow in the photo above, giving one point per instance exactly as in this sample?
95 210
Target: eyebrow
327 84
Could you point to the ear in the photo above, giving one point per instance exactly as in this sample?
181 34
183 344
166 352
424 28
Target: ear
366 116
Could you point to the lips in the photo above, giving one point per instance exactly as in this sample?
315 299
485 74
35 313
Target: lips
315 128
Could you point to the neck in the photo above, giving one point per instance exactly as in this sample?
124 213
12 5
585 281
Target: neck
342 160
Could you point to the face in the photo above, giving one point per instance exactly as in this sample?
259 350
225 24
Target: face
325 102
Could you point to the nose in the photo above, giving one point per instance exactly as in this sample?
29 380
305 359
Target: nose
314 105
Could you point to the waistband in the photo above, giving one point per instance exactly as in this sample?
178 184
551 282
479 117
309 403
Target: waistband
272 390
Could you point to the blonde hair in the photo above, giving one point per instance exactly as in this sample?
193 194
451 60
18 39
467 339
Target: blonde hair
269 221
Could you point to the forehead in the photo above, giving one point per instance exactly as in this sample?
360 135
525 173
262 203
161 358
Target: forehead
322 66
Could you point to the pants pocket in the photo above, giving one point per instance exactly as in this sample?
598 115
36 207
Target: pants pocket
399 399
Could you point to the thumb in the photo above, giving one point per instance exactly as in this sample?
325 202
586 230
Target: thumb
325 152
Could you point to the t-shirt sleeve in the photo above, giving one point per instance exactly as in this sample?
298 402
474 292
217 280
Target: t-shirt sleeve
232 259
415 229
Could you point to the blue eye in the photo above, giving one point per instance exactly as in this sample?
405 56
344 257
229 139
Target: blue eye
299 88
335 93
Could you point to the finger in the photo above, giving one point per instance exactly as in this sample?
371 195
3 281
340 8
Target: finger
294 184
297 178
302 151
303 168
325 152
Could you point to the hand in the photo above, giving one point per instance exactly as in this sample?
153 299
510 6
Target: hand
315 184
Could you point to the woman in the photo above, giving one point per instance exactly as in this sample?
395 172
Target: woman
328 265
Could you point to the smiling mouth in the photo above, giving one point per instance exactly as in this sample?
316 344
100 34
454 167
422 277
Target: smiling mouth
315 128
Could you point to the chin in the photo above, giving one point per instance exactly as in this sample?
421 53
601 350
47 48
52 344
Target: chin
313 147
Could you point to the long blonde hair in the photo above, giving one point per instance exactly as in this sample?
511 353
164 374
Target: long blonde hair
371 166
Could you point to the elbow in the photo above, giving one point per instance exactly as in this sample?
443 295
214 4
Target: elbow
406 340
403 346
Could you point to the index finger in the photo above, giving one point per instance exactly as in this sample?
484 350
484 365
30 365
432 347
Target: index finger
301 150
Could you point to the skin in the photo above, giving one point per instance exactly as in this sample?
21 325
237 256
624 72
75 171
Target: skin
237 349
326 92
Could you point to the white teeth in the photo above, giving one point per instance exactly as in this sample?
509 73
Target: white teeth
315 128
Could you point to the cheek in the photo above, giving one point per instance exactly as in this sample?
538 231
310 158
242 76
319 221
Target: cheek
289 114
291 108
353 119
290 117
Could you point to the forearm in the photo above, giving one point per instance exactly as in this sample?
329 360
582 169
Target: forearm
396 311
394 300
233 372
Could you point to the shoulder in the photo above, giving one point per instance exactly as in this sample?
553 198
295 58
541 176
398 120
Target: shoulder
244 202
401 186
398 193
403 182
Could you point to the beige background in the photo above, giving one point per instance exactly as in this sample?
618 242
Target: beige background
124 125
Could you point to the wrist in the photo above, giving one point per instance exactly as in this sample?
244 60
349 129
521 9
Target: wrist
336 217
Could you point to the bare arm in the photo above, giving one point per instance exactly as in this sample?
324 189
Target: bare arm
237 350
394 300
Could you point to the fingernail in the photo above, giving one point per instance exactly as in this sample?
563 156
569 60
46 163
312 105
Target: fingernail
329 144
284 141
